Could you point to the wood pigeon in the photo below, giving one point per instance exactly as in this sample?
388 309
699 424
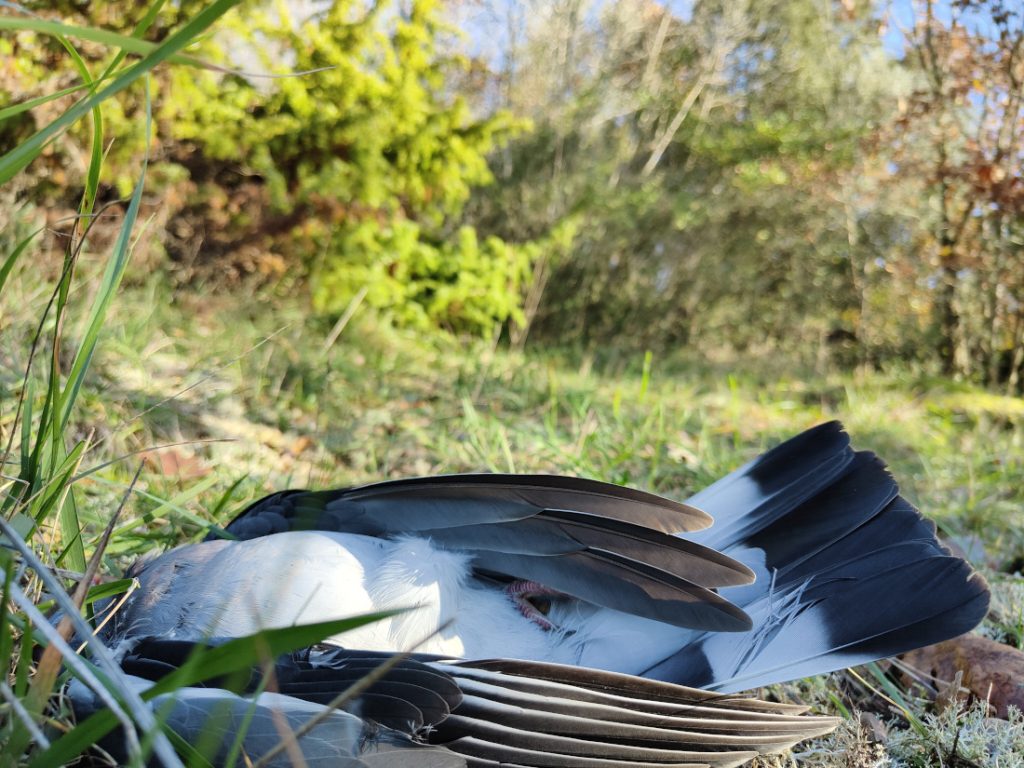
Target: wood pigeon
569 622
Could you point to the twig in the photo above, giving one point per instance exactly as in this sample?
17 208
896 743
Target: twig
652 58
94 562
346 316
112 611
666 138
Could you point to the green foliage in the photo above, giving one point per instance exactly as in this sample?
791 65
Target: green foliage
369 126
460 284
17 158
371 141
357 160
741 175
714 164
774 175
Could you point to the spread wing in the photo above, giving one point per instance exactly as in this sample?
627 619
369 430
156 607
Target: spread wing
501 712
602 543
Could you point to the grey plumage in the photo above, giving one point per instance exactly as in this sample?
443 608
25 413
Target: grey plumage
210 719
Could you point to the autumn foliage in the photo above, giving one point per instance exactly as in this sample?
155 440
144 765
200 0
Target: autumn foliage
837 183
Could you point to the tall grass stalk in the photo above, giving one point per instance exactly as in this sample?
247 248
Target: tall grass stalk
41 497
44 491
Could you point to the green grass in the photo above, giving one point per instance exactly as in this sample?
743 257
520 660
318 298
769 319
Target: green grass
384 403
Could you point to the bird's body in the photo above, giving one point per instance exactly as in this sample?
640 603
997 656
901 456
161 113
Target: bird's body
236 588
814 563
304 577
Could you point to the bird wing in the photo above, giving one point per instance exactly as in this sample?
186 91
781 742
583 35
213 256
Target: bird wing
847 570
534 714
488 713
410 697
216 722
412 504
602 543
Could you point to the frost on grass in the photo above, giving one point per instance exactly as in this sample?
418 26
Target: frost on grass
958 737
961 737
1006 624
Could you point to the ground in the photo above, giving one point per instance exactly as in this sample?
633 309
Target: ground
247 397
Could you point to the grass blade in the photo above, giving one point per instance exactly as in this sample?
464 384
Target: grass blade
92 177
108 287
233 656
24 106
19 157
109 72
12 258
124 43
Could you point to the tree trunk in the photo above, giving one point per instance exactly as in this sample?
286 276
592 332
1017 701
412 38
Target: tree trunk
947 319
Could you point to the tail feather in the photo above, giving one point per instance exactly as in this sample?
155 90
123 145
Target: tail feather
847 572
824 530
830 517
899 522
848 615
773 484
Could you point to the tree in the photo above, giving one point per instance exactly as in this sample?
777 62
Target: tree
962 135
713 163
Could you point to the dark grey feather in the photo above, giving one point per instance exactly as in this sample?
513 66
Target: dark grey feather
501 712
598 542
849 571
559 532
415 504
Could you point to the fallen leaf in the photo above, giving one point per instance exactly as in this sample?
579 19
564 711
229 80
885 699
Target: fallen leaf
299 445
875 729
988 670
176 463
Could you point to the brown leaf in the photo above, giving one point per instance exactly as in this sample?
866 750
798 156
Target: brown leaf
299 445
988 670
173 462
874 728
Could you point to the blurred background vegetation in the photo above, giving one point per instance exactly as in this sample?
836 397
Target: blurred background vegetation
636 241
836 182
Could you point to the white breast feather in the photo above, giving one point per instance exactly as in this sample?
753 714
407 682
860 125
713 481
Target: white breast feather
224 589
